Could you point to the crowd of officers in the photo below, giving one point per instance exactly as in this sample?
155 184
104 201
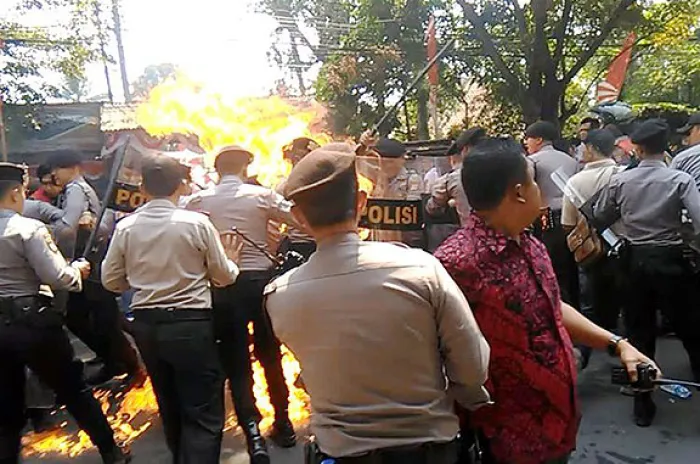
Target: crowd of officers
198 286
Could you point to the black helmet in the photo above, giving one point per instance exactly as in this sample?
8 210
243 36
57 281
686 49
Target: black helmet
614 113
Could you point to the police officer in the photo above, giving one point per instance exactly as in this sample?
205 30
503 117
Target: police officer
648 201
249 208
92 315
539 138
688 160
375 368
170 257
31 331
448 190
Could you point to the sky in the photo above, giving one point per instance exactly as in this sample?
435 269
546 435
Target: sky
222 43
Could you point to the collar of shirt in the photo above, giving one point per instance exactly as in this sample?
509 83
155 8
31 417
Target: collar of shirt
545 147
599 164
493 239
5 213
231 179
651 163
334 240
159 203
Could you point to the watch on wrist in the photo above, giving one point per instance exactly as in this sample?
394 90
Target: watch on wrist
613 345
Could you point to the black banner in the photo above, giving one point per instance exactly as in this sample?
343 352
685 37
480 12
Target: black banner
404 215
126 198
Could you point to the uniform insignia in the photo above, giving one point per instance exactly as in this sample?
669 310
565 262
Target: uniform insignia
49 241
270 288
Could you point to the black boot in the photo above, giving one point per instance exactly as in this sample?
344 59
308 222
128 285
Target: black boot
117 455
283 434
42 420
257 449
644 409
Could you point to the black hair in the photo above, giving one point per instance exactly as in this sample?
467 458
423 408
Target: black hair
491 168
161 175
544 130
331 204
43 170
594 122
602 140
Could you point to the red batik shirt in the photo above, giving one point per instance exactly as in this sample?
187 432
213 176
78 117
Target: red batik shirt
512 289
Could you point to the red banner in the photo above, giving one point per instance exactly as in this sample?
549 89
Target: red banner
609 90
433 75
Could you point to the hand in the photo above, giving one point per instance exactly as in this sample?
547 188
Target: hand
452 203
631 357
87 221
83 267
232 245
369 138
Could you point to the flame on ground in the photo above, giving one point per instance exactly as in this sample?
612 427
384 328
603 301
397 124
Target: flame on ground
133 413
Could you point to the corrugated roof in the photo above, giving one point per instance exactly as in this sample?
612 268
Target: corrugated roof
115 118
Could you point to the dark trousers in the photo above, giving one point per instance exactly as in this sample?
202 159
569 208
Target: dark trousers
234 307
48 352
563 262
661 278
94 317
179 351
605 292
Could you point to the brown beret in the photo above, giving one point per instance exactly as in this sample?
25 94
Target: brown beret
234 151
318 169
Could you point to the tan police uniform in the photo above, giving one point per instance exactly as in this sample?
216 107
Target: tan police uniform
171 258
250 209
397 324
31 331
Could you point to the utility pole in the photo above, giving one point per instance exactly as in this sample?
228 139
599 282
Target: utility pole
120 49
103 51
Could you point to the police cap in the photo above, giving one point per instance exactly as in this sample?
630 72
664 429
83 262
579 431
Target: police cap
651 132
544 130
234 151
10 172
468 138
693 121
65 159
319 169
390 148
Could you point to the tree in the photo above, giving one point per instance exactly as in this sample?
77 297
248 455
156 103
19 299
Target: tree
151 77
31 56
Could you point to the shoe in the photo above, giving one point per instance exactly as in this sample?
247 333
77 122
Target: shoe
96 376
257 448
120 454
42 420
283 434
644 409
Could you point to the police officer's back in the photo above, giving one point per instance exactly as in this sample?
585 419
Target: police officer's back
31 331
248 208
375 326
648 200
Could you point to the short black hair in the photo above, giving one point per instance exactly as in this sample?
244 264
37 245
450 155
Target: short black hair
594 122
333 203
544 130
161 175
491 168
602 140
43 170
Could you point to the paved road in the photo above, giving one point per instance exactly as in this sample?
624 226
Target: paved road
607 434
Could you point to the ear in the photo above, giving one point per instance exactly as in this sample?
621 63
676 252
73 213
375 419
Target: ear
361 203
519 193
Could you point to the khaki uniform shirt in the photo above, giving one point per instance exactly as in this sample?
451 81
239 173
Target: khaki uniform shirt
29 258
689 161
247 207
594 177
547 161
649 200
449 187
78 197
168 256
381 332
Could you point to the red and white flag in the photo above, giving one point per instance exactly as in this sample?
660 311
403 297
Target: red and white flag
609 90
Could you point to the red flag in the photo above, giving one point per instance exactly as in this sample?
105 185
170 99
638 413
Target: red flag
433 75
609 90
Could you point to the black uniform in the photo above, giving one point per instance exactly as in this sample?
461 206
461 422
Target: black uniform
31 331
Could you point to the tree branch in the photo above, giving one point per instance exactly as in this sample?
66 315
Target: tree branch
490 47
598 41
522 26
560 34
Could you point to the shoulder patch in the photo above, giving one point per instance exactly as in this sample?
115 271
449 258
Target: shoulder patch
48 239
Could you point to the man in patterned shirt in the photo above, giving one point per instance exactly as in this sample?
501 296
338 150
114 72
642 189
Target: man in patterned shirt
508 280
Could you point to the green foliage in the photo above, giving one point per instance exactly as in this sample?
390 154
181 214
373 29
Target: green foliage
151 77
31 57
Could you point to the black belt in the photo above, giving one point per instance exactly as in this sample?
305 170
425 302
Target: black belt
171 315
426 452
33 311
